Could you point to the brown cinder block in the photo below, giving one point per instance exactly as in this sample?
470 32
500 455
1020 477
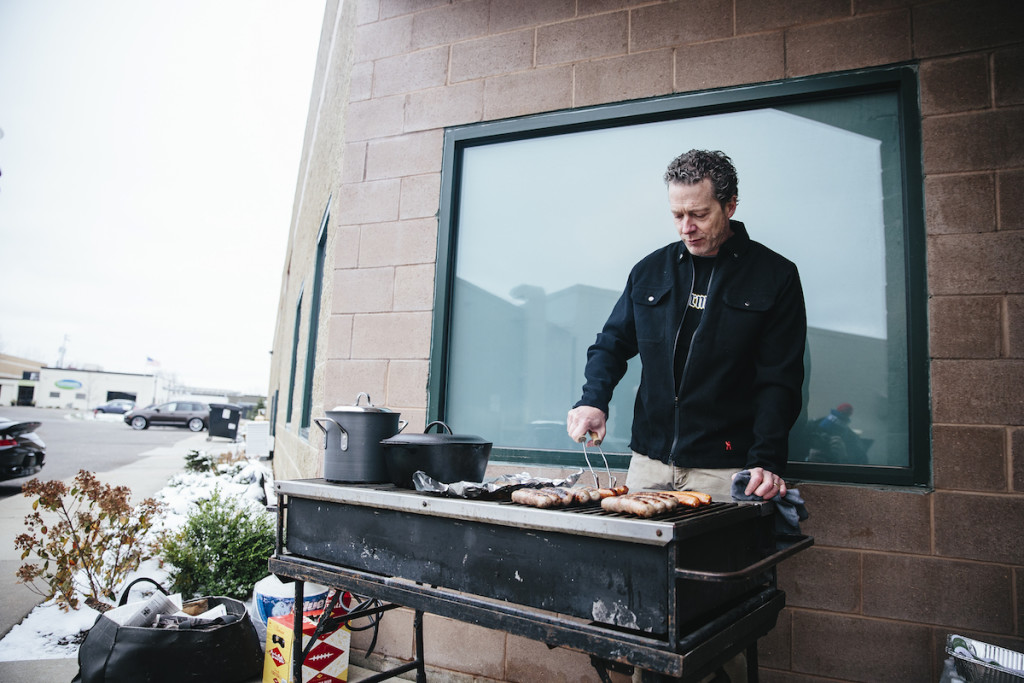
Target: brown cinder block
395 336
375 118
420 196
404 155
925 590
409 72
679 23
952 27
977 141
854 43
961 203
506 16
873 520
603 35
746 59
369 202
965 326
528 92
491 56
449 23
444 644
447 106
624 78
1015 326
363 290
1008 66
988 263
1010 190
989 533
852 648
344 379
398 243
978 392
407 383
822 578
957 84
766 15
968 458
414 288
383 39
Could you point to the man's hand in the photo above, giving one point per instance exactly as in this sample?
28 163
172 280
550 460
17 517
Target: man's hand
765 484
585 422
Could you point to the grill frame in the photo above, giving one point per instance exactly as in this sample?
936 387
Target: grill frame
671 617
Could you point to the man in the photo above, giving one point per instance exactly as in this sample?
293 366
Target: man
719 323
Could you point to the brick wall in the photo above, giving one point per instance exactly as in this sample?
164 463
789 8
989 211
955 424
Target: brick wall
892 571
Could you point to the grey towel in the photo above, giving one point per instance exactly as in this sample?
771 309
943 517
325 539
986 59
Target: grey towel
791 509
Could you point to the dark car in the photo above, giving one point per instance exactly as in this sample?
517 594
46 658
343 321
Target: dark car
118 405
22 452
191 414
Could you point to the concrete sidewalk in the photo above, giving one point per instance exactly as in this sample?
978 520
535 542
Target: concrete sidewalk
145 477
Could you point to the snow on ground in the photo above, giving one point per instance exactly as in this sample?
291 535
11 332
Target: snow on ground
49 633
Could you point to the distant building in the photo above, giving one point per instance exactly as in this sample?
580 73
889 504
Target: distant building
74 389
18 378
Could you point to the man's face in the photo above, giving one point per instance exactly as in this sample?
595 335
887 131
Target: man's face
702 223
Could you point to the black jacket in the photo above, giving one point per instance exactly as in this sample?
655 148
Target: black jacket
741 385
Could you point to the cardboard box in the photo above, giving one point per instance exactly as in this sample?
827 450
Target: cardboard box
327 661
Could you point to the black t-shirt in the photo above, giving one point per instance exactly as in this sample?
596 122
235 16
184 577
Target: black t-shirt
702 267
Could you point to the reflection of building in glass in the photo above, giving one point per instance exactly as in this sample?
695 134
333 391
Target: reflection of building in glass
521 367
852 369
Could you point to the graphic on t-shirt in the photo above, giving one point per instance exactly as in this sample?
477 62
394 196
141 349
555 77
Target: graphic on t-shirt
698 301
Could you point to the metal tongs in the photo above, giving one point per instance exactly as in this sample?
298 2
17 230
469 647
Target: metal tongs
586 456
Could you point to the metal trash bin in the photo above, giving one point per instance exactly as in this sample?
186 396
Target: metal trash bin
224 419
978 662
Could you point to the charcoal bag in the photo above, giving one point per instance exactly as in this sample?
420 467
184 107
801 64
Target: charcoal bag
228 651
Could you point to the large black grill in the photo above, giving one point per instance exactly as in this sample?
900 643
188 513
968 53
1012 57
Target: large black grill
634 591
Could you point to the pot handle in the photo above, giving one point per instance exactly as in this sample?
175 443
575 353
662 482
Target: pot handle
369 402
438 422
402 424
344 434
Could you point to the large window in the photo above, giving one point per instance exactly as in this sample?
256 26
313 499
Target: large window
295 358
314 323
543 217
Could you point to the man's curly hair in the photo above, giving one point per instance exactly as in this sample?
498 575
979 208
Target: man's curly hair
697 164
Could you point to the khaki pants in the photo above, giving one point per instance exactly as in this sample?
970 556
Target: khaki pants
654 475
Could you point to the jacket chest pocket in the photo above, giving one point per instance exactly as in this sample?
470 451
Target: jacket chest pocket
743 316
652 311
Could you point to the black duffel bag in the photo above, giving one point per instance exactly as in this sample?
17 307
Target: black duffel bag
226 652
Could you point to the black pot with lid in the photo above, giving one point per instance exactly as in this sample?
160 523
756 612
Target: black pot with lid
445 457
352 436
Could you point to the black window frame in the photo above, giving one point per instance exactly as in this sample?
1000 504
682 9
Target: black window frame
901 79
295 357
314 323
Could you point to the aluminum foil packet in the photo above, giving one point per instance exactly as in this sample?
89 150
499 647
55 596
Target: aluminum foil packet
497 488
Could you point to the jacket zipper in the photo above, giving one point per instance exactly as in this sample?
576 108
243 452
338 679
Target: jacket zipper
689 352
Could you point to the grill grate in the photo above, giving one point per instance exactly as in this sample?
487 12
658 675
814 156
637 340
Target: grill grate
680 514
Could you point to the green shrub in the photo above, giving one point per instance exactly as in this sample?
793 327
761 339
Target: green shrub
222 549
199 461
94 539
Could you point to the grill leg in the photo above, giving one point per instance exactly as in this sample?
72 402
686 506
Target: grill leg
752 676
421 669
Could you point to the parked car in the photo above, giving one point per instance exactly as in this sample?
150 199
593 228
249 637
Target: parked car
22 452
189 414
118 405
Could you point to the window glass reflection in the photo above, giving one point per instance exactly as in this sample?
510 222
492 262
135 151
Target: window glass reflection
547 229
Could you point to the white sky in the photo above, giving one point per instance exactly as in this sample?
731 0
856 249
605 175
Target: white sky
149 159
